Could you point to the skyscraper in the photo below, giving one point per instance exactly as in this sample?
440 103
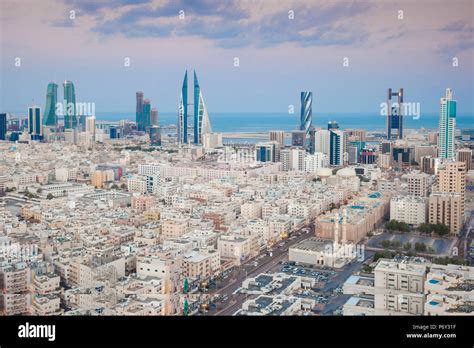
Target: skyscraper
90 126
298 138
139 111
49 116
337 147
34 122
183 112
155 135
447 125
306 111
70 117
202 124
278 136
3 126
146 115
154 117
394 114
333 125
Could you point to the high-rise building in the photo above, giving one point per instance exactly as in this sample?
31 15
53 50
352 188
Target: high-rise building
49 116
306 113
146 115
183 112
446 208
337 148
154 117
447 125
155 136
394 114
70 117
418 184
3 126
451 178
465 155
202 124
90 126
386 147
429 164
266 152
368 156
333 125
298 138
34 122
312 140
278 136
139 111
322 141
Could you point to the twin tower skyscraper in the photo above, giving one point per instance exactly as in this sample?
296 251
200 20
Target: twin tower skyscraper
202 124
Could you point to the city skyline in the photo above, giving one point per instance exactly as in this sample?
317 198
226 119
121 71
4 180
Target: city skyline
310 58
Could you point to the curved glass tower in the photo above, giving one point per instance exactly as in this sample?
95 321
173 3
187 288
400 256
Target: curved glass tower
70 117
183 113
306 111
49 116
202 124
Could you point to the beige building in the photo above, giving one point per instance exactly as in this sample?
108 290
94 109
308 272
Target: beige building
173 228
143 203
200 264
418 184
451 177
409 209
15 298
446 208
236 248
465 155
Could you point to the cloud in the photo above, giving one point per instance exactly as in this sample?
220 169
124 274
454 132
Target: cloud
229 24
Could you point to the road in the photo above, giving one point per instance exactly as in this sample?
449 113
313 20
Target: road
246 270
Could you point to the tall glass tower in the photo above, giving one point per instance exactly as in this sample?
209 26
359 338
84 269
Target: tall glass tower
49 116
183 112
306 111
139 112
202 124
146 116
34 122
70 117
447 125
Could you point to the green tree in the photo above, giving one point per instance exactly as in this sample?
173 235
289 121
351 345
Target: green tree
49 196
407 246
420 247
385 244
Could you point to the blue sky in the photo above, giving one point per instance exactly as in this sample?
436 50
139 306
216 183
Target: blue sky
279 56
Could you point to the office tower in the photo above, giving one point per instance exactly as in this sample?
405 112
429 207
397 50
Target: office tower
447 125
34 122
394 114
418 184
322 141
90 126
3 126
266 152
312 140
337 148
154 117
183 112
306 113
115 132
139 111
429 164
155 135
313 162
368 156
49 116
423 151
465 155
297 158
278 136
386 147
70 117
298 138
357 134
353 154
333 125
285 159
146 115
446 208
403 154
202 124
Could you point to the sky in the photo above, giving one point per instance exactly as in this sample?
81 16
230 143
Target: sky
282 48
